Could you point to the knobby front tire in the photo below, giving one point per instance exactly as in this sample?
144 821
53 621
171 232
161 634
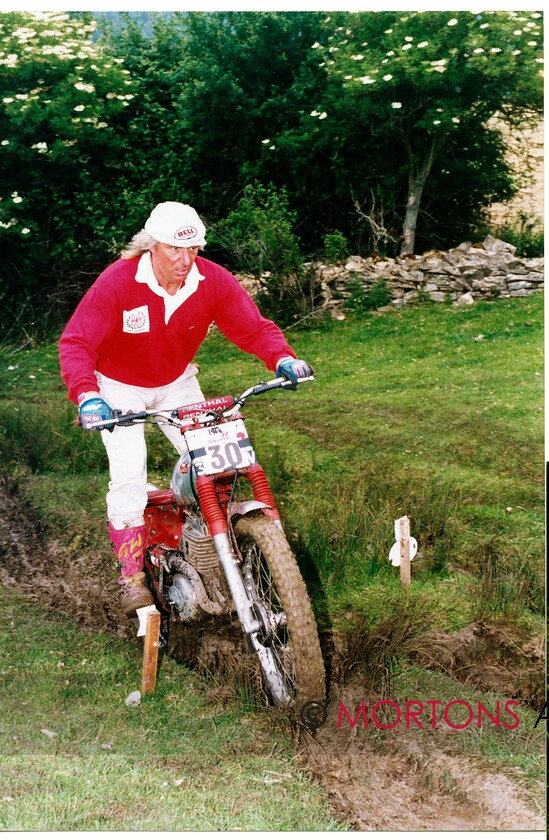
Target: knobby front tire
291 659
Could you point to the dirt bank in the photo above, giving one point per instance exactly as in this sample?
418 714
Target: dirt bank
400 784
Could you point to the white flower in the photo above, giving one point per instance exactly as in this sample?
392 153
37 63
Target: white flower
265 141
407 47
452 22
24 232
478 51
485 26
391 52
440 69
396 104
436 122
366 80
8 99
387 78
79 108
322 116
17 199
532 43
315 45
357 57
456 120
408 38
82 86
314 113
5 143
423 44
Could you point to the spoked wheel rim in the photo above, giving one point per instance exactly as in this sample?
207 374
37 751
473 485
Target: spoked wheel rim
273 644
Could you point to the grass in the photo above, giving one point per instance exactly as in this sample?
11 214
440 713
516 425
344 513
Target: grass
435 412
182 760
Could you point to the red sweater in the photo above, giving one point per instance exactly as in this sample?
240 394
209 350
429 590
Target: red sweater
118 329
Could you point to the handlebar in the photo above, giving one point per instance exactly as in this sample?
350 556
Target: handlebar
183 415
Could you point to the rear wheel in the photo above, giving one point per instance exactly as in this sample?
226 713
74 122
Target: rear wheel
287 647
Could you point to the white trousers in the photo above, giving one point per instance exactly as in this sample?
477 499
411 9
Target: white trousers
126 447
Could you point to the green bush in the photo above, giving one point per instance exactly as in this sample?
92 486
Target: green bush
336 247
260 235
363 298
525 234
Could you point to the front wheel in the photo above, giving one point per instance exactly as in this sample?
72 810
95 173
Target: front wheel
287 647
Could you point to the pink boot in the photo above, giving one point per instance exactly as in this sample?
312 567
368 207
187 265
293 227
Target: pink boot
129 547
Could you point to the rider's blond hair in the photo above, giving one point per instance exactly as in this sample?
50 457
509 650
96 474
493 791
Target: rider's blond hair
138 245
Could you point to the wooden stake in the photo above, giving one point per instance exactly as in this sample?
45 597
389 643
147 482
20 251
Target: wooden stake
405 569
150 652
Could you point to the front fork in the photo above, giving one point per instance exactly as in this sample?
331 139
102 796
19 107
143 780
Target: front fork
241 600
217 523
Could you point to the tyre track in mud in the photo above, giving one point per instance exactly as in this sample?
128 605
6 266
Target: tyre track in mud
83 590
399 789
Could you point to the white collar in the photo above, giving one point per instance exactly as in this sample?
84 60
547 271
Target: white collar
145 274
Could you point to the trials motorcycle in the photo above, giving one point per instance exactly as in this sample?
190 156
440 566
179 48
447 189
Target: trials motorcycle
212 554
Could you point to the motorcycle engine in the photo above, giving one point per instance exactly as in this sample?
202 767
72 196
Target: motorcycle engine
198 587
182 597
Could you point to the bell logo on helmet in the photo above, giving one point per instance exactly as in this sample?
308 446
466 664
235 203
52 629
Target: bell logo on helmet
186 233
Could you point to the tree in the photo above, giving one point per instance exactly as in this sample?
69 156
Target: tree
427 78
61 157
211 88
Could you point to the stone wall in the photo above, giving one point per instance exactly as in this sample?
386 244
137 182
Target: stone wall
462 275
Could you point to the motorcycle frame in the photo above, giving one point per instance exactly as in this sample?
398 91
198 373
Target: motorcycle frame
164 520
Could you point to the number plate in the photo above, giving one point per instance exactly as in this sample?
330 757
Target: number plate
216 449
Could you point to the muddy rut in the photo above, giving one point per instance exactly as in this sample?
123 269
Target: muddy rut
404 784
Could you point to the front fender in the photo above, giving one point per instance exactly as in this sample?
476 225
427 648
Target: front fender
242 508
245 508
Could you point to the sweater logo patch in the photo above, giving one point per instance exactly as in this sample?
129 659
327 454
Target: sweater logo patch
136 320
